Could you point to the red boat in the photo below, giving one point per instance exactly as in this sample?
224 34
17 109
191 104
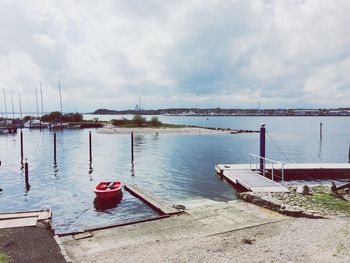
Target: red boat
107 190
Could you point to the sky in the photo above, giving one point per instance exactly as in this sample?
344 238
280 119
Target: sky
184 53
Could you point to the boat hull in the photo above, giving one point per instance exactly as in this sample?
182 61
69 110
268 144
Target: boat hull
108 190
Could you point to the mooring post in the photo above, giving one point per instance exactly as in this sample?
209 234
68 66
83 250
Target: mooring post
262 147
132 147
21 144
54 148
26 174
321 130
90 146
349 153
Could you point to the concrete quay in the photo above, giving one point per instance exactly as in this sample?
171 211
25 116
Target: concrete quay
201 218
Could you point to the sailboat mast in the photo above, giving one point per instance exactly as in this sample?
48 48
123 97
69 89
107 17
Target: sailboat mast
42 105
13 109
59 89
5 103
20 104
36 98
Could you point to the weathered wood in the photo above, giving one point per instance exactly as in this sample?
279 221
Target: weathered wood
41 215
82 235
18 222
155 203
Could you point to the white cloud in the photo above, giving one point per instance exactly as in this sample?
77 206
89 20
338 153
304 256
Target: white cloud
187 53
45 41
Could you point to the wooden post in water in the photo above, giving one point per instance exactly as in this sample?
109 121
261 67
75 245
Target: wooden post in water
349 154
21 135
90 146
321 130
262 147
26 174
132 147
54 148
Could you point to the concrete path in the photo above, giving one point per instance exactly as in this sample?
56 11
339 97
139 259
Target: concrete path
210 218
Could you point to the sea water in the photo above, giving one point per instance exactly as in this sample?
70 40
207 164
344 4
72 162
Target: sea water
173 167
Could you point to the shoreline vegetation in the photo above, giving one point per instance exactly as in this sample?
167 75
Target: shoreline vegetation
140 122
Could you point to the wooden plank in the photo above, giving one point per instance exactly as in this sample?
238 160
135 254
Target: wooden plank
42 215
160 206
18 222
82 235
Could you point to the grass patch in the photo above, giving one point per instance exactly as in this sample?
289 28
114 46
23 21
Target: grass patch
140 122
162 126
322 198
3 258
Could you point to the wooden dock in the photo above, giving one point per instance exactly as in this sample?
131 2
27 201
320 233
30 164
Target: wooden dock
160 206
243 177
22 219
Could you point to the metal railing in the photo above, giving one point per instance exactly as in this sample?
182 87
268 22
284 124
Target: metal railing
257 165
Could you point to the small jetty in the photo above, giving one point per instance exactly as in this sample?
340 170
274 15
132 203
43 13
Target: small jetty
247 178
242 177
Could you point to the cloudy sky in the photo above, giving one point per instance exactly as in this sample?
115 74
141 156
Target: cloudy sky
191 53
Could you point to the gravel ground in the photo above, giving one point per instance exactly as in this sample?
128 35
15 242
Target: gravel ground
30 244
293 240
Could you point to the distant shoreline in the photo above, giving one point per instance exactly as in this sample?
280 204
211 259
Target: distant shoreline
213 116
228 112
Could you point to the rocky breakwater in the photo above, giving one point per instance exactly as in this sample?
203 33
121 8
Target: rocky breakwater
226 130
303 201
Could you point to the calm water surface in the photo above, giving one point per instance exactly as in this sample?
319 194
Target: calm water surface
172 167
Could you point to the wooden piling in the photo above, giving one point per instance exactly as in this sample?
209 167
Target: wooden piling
132 147
21 136
54 147
321 125
262 146
90 146
26 174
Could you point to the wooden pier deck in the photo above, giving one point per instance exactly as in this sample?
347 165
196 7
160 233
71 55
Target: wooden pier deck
22 219
160 206
242 176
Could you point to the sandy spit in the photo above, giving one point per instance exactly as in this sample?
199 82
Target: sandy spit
190 131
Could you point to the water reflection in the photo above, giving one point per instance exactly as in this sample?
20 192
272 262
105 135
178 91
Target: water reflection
155 137
139 140
102 205
320 150
55 170
91 169
132 171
